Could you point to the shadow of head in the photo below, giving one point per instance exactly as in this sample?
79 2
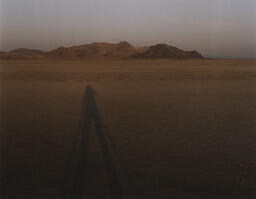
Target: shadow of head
89 91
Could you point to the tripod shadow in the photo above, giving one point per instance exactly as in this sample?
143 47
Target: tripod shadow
90 116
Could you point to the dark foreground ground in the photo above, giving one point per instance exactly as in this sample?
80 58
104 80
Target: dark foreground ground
155 129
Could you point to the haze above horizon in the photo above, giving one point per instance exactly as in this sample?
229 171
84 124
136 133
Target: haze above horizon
220 28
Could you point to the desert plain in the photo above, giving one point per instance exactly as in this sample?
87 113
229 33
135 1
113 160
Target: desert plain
179 128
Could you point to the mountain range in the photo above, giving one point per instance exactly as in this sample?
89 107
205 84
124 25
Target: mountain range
107 50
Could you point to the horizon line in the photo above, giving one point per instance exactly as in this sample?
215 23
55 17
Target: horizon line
210 56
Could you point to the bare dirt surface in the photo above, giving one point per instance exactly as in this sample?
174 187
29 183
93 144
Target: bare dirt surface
158 129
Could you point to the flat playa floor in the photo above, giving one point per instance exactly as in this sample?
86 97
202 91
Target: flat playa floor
175 129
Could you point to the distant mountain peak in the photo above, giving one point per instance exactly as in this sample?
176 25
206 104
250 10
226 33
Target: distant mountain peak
102 49
25 51
164 51
160 45
124 43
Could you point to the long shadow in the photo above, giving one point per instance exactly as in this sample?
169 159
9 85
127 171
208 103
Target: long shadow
90 115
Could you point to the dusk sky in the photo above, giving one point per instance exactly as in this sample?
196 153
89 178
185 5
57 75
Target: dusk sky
219 28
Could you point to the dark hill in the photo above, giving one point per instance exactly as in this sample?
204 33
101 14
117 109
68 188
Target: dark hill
25 51
107 50
122 49
88 50
160 51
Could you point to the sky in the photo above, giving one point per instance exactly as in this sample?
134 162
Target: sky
219 28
